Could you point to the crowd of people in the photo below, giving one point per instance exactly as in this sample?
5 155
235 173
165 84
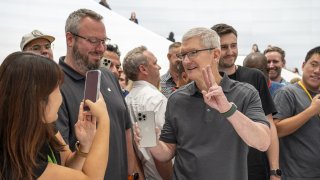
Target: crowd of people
215 119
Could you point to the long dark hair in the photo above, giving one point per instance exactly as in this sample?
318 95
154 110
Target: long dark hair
26 81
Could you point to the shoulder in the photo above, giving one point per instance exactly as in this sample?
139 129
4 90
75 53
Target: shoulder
165 77
287 90
238 85
250 71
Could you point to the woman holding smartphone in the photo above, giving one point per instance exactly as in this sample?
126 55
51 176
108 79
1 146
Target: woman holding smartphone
31 148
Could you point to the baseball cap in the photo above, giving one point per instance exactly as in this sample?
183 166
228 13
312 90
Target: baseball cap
35 34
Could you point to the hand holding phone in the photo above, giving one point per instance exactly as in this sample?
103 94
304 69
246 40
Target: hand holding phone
92 86
146 123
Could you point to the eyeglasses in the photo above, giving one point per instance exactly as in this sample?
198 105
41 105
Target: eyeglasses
191 54
94 41
38 47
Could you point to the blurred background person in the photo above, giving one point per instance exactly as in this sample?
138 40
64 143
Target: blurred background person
38 43
259 61
134 18
171 37
255 48
169 79
105 4
183 78
276 61
112 53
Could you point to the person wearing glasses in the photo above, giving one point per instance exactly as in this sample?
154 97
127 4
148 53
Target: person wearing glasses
258 166
38 43
86 38
211 122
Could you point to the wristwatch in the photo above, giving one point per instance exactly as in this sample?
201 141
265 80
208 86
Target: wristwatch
275 172
230 112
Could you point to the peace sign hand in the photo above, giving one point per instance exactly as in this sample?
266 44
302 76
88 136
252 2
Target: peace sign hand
214 97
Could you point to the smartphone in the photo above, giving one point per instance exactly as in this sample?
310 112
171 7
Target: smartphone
146 123
92 86
104 62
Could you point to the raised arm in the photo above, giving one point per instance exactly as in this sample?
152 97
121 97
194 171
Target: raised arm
289 125
255 134
96 162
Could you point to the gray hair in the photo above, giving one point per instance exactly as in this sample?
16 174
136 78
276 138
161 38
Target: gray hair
209 38
74 19
133 60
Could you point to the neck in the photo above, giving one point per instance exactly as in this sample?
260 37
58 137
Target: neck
277 79
229 70
309 88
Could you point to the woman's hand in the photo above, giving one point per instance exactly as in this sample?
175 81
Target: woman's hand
85 129
98 109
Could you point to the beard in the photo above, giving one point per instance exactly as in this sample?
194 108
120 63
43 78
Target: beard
224 64
277 72
82 61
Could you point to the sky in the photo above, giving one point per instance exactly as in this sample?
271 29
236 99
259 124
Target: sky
290 24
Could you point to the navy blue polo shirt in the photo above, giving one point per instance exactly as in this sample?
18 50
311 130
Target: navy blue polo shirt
72 92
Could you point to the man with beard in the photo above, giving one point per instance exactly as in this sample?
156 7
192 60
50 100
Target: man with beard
86 38
276 61
298 122
257 161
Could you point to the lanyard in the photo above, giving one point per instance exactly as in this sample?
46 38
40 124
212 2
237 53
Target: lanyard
51 158
305 90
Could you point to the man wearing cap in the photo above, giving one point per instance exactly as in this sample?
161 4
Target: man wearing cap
38 43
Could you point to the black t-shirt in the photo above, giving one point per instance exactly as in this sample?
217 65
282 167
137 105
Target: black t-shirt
258 167
42 159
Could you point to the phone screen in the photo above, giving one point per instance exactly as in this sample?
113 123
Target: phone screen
92 86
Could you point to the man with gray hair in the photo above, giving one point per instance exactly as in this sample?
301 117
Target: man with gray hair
140 66
86 38
210 122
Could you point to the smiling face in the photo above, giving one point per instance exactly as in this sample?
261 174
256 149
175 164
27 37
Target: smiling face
193 66
311 73
275 65
229 51
85 54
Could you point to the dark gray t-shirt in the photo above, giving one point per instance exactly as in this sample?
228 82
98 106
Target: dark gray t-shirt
299 151
207 145
72 93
